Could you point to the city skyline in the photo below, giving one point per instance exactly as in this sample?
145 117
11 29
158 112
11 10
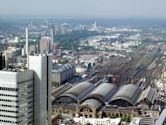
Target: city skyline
86 8
82 62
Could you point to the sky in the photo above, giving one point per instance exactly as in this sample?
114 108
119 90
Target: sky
86 8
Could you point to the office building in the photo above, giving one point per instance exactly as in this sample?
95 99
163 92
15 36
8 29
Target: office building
16 97
41 65
45 45
2 61
13 53
25 93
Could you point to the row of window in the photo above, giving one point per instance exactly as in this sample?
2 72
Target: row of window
5 100
9 111
9 106
9 89
8 95
7 116
8 121
14 89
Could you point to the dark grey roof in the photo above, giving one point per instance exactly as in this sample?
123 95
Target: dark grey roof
103 92
129 93
79 88
57 92
92 103
78 91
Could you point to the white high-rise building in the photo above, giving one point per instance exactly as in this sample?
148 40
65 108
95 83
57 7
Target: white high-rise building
42 67
25 95
16 97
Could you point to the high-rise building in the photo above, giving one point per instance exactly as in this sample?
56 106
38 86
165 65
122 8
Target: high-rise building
2 61
16 97
45 45
42 66
25 94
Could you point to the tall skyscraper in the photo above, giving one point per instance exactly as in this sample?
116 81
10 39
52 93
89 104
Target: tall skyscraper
42 66
16 97
45 45
25 94
2 61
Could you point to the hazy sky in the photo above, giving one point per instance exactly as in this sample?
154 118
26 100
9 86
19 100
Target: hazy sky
85 8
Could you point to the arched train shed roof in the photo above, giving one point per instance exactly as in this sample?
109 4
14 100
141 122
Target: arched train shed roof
129 93
103 92
78 91
92 103
79 88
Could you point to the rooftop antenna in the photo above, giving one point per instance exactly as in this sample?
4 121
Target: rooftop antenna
27 48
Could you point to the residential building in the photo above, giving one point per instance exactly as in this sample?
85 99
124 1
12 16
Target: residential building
62 73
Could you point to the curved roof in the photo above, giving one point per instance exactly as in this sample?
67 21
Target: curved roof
71 96
129 93
103 91
92 103
78 89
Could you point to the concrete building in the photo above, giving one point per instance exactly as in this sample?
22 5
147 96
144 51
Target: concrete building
25 94
16 97
45 45
15 40
41 65
33 49
81 69
2 61
12 53
62 73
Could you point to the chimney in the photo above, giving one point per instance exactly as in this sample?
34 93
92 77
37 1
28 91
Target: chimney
26 41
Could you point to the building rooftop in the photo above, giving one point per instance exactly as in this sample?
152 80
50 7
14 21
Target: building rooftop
103 91
79 88
92 103
61 68
129 93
